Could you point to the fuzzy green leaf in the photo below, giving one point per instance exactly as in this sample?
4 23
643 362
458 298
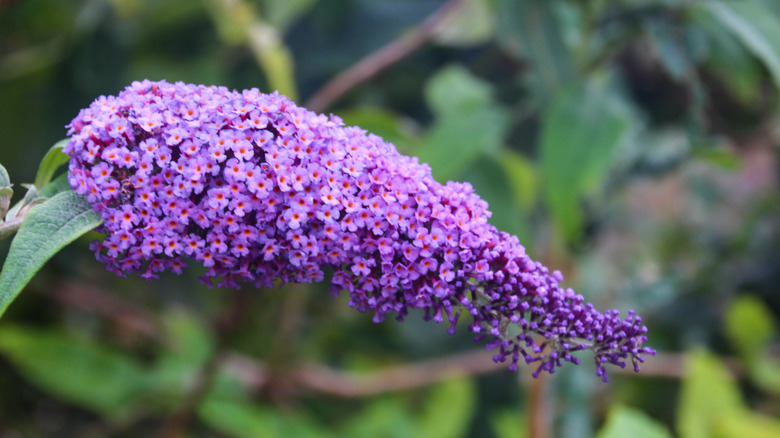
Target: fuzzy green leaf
46 229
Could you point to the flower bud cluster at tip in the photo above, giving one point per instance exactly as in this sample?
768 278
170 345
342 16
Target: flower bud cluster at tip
257 189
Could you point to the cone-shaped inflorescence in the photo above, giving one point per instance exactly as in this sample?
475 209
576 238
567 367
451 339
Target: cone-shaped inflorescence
260 190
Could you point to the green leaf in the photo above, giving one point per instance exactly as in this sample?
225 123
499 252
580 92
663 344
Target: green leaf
384 123
581 131
749 326
765 373
59 185
756 26
708 391
729 59
671 49
448 409
469 123
386 417
454 89
73 369
188 346
529 30
522 177
46 229
508 424
711 405
493 183
455 143
50 163
244 419
626 422
473 24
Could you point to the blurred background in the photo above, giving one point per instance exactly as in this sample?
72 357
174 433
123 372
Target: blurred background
633 144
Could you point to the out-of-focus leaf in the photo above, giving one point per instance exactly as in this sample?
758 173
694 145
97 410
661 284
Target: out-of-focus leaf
721 157
749 326
581 131
73 369
187 337
529 30
472 25
669 45
276 62
765 373
448 409
508 424
626 422
469 124
282 13
710 404
381 122
46 229
756 26
453 89
457 142
52 161
188 346
522 177
238 22
708 391
244 419
493 184
739 71
388 417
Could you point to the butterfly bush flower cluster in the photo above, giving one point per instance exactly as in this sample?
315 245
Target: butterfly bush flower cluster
257 189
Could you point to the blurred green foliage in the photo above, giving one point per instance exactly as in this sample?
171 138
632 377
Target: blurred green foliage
630 143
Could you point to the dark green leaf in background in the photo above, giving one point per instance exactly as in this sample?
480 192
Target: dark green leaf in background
244 419
46 229
753 24
384 123
530 31
626 422
469 123
749 326
76 370
448 409
581 131
493 183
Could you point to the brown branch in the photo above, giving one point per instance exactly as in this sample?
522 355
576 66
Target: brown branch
379 60
255 375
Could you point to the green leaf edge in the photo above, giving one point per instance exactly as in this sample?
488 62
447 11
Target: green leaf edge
52 161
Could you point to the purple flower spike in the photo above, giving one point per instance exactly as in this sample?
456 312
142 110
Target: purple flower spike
260 190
